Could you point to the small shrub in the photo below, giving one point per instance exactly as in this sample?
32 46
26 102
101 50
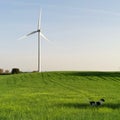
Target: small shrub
15 71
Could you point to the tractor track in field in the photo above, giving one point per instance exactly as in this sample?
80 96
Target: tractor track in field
49 78
69 87
114 79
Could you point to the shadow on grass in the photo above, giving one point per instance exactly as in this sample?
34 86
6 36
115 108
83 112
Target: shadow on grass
99 74
82 106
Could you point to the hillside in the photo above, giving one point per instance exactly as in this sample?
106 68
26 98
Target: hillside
59 96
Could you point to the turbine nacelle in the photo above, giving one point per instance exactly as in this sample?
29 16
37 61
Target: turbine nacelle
38 30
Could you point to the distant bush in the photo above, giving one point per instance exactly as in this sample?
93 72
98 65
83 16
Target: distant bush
7 71
15 71
1 71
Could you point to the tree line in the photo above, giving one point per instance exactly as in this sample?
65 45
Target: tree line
13 71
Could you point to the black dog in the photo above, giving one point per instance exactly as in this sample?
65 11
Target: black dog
98 103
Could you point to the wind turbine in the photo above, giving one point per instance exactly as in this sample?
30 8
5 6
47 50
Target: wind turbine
39 41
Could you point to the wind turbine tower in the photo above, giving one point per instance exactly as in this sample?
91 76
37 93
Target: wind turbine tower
39 42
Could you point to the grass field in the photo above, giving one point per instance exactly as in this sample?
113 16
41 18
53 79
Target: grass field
59 96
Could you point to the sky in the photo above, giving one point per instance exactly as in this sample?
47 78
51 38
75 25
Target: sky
84 35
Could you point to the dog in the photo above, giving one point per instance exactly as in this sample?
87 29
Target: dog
98 103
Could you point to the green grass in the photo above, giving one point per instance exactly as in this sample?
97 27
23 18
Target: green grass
59 96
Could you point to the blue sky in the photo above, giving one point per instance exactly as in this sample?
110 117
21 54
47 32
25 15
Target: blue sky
84 34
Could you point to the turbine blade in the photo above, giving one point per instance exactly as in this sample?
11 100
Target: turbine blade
32 33
43 36
39 19
25 36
